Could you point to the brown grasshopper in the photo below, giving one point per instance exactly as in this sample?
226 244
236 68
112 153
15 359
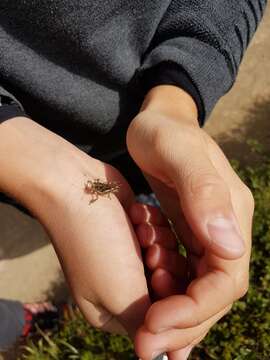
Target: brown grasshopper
98 188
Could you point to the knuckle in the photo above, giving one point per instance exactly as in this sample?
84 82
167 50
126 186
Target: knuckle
203 184
227 309
151 320
245 194
248 198
242 289
199 339
96 324
93 311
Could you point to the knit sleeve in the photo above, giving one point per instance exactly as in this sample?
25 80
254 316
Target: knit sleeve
9 106
206 40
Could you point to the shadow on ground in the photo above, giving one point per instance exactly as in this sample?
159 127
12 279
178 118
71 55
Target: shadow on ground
256 126
59 291
20 234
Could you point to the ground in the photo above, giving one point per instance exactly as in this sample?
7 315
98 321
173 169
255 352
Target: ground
29 269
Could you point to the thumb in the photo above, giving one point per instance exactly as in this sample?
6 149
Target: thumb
206 204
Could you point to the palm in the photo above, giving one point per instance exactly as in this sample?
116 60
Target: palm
101 257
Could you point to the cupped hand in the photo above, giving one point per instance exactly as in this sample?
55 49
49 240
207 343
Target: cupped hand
211 210
95 242
101 256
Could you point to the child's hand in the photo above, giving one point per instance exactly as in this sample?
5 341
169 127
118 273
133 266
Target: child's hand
96 243
212 212
100 254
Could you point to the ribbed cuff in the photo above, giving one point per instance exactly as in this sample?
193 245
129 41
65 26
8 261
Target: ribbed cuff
8 111
210 70
170 73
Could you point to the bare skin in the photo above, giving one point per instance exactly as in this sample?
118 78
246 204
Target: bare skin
96 243
97 246
212 213
96 261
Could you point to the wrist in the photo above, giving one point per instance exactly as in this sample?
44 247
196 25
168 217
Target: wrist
173 102
38 167
166 109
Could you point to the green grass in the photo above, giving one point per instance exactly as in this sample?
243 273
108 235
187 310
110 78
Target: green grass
76 340
243 334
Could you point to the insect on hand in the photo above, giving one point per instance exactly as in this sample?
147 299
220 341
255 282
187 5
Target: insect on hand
98 188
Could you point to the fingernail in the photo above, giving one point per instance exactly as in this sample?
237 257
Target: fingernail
224 233
158 355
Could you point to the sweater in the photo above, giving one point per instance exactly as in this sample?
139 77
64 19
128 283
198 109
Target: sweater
82 68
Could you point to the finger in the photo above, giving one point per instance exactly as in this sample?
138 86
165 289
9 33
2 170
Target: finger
149 345
158 257
188 239
170 204
206 203
149 235
183 354
165 284
205 297
100 318
113 326
144 214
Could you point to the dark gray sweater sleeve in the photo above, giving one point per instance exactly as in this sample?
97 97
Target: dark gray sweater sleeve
206 40
9 106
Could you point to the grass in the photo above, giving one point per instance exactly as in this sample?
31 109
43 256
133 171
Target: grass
243 334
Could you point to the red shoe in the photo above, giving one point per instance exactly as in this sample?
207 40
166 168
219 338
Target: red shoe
45 316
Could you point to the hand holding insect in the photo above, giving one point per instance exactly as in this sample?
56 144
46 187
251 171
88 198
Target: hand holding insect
96 244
